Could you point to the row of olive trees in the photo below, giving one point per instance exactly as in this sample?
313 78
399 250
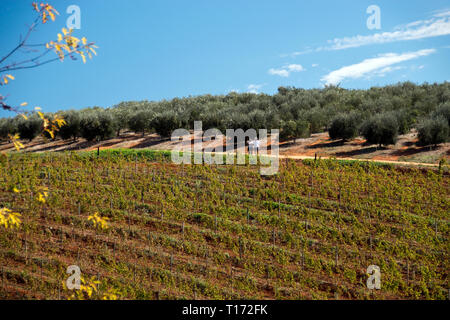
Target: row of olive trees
383 129
94 124
296 112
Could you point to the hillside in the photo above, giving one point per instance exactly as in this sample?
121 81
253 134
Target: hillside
320 145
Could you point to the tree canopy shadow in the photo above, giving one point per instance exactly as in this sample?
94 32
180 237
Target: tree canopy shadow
149 142
357 152
413 150
287 144
53 147
331 144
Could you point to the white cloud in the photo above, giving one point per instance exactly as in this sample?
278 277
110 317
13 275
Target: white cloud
295 68
382 72
373 66
279 72
286 70
437 25
315 65
254 88
413 31
417 67
443 13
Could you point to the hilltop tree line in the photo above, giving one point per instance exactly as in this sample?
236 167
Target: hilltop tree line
379 114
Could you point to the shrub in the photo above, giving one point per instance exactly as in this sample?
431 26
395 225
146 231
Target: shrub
30 128
404 119
165 123
432 131
380 129
258 119
294 129
7 126
121 116
97 125
141 121
317 119
72 128
344 127
288 130
443 111
303 129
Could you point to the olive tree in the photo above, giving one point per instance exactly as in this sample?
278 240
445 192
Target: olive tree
381 130
72 128
97 125
344 126
443 111
433 131
121 115
7 127
30 128
165 123
141 121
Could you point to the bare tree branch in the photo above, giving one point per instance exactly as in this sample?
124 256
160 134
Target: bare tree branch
38 64
13 66
22 43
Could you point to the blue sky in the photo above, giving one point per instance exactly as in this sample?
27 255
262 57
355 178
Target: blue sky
163 49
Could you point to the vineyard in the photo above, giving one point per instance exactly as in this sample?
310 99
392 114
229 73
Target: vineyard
222 232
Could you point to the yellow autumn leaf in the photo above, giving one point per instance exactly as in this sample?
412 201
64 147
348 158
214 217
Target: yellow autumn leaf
98 221
59 121
52 16
51 133
42 197
17 144
9 218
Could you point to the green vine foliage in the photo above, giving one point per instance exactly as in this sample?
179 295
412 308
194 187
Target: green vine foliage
223 232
